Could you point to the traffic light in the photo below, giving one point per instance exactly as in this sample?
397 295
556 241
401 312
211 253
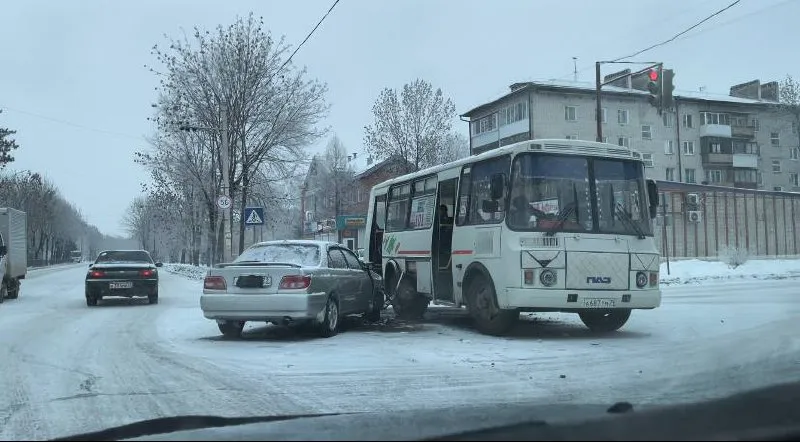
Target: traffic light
667 88
654 86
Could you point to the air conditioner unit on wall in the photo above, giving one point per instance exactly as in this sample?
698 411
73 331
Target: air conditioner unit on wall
692 198
695 216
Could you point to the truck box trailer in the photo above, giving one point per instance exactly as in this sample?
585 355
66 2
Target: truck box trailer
14 245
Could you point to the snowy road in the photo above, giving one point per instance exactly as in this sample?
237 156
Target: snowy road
66 368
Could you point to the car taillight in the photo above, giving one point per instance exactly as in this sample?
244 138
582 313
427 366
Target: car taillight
96 273
214 283
295 282
147 273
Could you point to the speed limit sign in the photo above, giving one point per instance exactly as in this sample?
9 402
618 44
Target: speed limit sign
224 202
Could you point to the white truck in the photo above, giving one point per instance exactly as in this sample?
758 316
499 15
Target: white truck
13 251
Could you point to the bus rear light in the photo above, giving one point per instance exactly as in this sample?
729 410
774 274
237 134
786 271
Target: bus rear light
528 276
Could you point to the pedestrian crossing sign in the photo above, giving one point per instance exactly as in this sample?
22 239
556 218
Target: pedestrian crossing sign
254 216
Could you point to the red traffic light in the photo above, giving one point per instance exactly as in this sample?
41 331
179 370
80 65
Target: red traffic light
653 74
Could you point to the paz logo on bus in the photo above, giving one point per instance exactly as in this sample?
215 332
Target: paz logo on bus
598 280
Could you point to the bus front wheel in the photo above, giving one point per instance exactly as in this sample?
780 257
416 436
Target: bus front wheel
407 303
605 321
489 318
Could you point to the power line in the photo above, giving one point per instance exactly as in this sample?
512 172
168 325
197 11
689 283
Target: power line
307 37
680 33
741 17
69 123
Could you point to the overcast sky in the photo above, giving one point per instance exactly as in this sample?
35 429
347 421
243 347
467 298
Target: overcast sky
74 86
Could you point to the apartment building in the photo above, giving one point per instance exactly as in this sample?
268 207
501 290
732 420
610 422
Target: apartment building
738 140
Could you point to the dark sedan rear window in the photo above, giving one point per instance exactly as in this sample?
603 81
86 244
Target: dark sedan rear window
301 254
124 256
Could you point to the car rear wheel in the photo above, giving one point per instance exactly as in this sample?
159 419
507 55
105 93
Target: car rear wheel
330 323
231 329
91 301
152 299
3 291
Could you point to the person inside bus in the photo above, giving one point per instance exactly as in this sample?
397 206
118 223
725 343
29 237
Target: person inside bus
443 216
520 215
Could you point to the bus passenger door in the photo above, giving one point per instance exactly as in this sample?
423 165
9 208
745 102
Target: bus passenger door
442 246
376 227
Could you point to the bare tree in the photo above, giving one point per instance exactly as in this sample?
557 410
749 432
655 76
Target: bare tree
338 173
455 148
240 79
7 145
790 101
415 125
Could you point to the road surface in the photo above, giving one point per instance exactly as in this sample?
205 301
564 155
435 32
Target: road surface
66 368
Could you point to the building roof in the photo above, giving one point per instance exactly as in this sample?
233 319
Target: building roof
372 168
582 86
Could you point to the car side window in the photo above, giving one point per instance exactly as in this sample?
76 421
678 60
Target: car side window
352 260
336 259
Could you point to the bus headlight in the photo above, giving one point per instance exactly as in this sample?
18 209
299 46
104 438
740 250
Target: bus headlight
548 278
641 279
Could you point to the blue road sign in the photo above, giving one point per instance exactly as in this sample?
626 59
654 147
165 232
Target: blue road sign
254 216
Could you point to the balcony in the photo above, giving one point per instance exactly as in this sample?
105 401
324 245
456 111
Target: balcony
724 159
715 130
745 160
743 131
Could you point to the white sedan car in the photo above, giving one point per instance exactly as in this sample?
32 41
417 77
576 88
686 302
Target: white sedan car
292 281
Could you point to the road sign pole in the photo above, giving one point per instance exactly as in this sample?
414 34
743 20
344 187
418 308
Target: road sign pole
226 218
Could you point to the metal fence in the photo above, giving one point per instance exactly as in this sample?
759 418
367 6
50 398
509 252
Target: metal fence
699 221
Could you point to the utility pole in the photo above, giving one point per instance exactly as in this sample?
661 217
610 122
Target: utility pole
598 110
226 218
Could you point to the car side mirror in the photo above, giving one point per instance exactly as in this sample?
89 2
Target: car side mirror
91 264
159 264
652 195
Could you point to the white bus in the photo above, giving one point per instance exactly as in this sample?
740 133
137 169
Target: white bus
540 226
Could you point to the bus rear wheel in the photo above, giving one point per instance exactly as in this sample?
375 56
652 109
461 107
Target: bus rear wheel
489 318
605 321
407 303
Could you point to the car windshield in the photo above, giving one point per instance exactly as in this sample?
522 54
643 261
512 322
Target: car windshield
124 256
301 254
552 193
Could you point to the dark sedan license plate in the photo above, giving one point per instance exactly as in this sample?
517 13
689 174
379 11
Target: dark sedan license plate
120 285
250 282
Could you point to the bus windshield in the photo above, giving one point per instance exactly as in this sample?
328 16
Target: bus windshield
552 193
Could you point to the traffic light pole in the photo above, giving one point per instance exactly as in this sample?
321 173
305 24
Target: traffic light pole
599 83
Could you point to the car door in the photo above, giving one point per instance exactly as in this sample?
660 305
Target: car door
342 282
362 284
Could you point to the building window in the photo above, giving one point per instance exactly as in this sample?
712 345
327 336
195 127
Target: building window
793 153
604 139
715 118
668 119
647 132
570 113
755 123
485 124
624 141
670 174
794 179
647 158
572 137
515 112
715 148
669 147
689 176
602 115
622 116
775 139
778 188
759 177
688 147
776 166
687 121
714 176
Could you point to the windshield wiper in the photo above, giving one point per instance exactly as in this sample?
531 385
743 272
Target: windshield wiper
562 218
627 219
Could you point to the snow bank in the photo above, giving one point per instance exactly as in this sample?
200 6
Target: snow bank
187 270
696 271
690 271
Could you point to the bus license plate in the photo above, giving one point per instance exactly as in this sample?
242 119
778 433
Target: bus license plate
121 285
598 303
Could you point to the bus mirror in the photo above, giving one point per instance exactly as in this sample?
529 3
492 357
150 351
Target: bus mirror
497 186
652 195
490 206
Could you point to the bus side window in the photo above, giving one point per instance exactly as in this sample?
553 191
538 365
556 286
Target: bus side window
462 205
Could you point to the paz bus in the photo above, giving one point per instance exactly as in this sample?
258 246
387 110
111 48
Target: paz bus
537 226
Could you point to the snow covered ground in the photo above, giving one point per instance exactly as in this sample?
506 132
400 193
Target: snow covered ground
67 368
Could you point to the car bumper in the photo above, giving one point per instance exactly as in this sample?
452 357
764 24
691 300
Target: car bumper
267 308
572 300
102 288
